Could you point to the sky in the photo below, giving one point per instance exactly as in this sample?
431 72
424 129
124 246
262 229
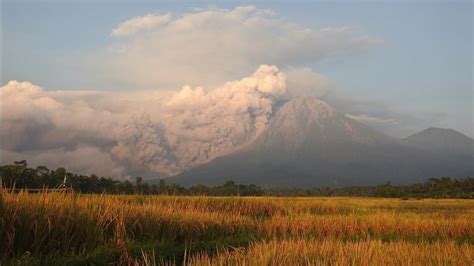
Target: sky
398 66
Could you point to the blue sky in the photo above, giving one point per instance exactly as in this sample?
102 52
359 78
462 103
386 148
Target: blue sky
422 68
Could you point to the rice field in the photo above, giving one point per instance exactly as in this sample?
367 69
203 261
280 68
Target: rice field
74 229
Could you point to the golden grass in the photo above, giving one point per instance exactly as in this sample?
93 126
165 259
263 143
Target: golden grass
334 252
318 230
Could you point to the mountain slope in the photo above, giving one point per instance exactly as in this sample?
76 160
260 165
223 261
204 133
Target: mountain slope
308 142
308 123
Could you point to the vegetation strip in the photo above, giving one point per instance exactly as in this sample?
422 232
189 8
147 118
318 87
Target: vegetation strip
19 176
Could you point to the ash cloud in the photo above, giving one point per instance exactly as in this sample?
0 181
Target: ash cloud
208 47
163 131
170 132
150 132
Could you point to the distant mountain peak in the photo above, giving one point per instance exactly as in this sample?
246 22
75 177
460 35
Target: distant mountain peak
438 132
442 140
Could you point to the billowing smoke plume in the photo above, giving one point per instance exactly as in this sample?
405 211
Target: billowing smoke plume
164 131
158 132
197 126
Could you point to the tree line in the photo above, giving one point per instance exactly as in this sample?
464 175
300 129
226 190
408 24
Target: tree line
20 176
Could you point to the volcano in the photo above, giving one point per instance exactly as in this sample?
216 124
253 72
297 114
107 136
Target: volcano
309 143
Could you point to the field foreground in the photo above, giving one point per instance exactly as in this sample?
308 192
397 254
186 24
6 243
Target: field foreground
78 229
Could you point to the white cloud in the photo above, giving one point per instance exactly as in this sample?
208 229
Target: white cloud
34 117
210 46
366 119
136 24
